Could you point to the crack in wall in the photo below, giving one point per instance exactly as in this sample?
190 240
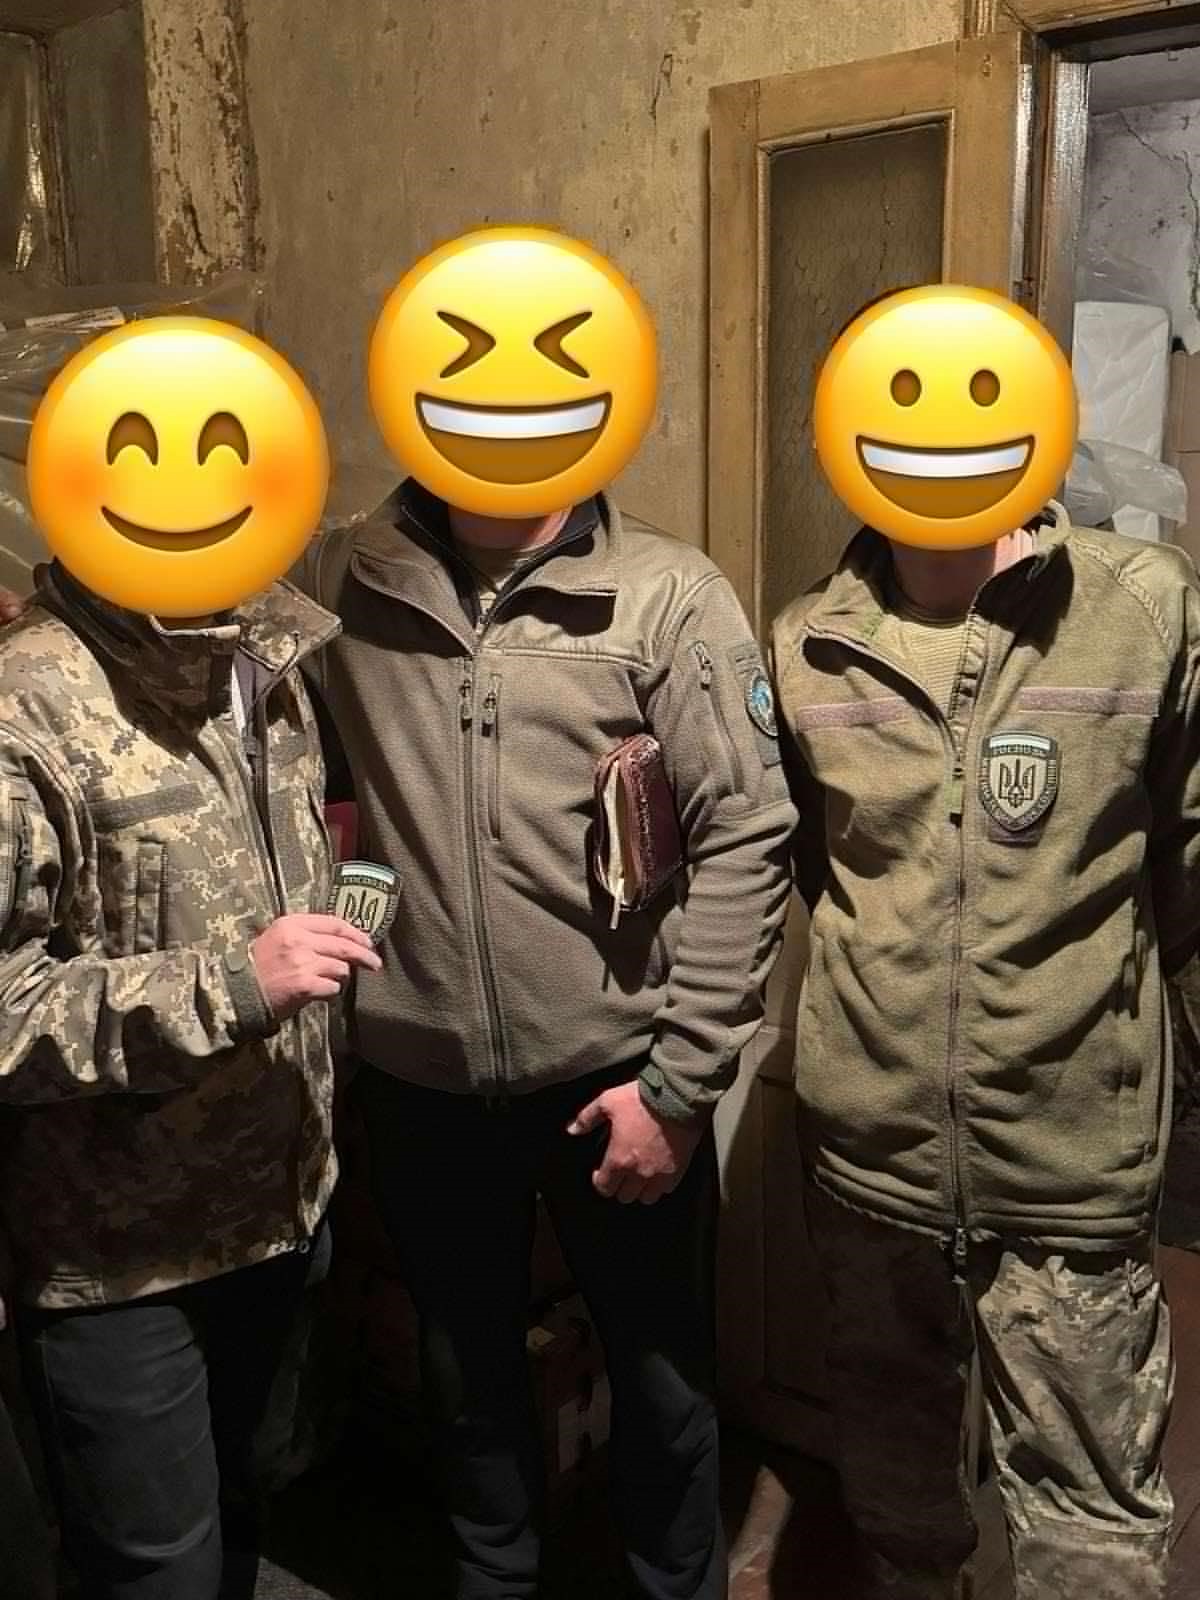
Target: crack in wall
1191 184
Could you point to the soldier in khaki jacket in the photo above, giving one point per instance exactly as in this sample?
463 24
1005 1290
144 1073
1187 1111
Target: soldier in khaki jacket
995 753
165 1087
517 1039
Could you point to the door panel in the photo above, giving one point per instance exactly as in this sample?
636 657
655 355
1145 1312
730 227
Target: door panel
974 97
827 188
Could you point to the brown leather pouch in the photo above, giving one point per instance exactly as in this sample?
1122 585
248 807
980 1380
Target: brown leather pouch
638 845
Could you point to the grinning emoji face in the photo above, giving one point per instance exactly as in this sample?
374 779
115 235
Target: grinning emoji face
513 372
177 466
945 417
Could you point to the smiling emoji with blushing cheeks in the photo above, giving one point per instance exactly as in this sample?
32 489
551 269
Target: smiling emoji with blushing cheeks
945 417
177 466
513 372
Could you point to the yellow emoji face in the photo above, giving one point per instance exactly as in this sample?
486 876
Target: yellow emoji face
177 466
513 372
945 417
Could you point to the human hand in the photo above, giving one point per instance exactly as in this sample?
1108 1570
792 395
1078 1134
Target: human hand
308 956
14 605
646 1156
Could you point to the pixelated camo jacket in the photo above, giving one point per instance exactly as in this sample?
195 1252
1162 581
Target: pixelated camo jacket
157 1125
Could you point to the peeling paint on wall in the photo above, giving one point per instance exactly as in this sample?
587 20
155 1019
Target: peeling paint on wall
204 171
385 126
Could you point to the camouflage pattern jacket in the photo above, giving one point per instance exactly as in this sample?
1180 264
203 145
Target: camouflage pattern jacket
983 1044
157 1125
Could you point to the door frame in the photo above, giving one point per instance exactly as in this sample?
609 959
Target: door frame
1072 37
983 91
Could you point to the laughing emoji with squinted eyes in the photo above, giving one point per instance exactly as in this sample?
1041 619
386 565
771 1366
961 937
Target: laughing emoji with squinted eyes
945 417
513 371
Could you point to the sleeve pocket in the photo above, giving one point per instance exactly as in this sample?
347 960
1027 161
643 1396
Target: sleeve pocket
148 897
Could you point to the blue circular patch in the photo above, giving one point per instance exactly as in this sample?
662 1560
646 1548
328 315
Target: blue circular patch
760 703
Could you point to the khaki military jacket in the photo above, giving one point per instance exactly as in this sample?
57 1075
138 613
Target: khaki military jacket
983 1046
157 1125
474 756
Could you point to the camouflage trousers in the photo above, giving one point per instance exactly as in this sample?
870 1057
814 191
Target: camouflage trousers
1074 1354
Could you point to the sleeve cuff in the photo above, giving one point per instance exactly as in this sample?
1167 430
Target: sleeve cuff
254 1017
667 1102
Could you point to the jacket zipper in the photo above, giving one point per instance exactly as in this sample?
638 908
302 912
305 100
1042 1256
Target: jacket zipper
490 729
22 857
250 760
701 652
957 1243
474 854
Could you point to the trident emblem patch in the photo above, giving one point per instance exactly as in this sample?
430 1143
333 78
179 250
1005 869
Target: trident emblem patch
366 896
1018 778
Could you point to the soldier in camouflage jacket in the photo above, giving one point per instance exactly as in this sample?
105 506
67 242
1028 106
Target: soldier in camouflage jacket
164 1107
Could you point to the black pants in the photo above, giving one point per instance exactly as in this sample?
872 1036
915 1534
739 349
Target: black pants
26 1551
148 1412
456 1181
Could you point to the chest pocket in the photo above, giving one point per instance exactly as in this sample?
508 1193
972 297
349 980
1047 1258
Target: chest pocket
133 833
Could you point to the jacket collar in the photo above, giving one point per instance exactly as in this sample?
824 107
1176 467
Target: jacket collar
853 600
405 549
187 667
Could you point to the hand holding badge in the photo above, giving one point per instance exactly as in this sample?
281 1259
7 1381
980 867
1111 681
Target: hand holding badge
366 896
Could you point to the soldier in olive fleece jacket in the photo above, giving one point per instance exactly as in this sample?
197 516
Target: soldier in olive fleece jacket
510 1008
999 883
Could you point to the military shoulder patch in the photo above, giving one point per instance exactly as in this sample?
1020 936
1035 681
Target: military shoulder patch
759 700
760 703
366 896
1018 778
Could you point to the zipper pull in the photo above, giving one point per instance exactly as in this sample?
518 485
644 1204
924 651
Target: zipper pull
464 699
958 1254
957 792
491 701
700 650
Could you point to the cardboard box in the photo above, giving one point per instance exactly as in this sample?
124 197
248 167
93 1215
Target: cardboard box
572 1395
1183 406
1182 446
390 1336
550 1277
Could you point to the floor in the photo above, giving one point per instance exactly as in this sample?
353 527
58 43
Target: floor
365 1527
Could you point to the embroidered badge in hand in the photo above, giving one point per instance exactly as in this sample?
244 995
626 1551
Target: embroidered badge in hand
366 896
1018 778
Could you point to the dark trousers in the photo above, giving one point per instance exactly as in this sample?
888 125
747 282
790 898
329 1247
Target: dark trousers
456 1181
148 1412
26 1551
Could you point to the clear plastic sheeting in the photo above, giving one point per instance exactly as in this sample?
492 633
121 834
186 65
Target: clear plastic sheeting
26 234
41 327
1108 478
1120 359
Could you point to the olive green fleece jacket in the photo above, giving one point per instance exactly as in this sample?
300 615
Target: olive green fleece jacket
473 756
983 1047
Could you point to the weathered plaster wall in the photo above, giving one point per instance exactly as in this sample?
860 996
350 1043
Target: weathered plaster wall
381 127
1142 211
202 153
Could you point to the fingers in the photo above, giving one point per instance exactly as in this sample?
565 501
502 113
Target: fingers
607 1178
590 1117
337 971
631 1189
338 948
321 922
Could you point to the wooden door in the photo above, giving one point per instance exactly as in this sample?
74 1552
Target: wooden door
827 188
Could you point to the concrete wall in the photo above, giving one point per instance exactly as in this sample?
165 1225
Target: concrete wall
381 127
1141 229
